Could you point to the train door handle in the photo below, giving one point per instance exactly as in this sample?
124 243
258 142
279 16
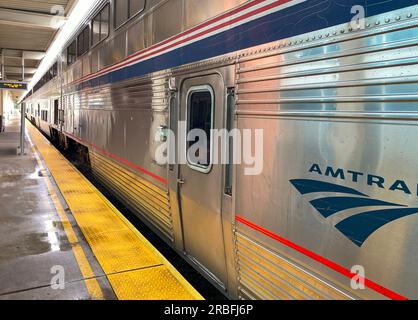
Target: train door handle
181 181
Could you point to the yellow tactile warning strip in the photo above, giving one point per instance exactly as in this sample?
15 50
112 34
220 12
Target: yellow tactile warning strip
135 269
90 281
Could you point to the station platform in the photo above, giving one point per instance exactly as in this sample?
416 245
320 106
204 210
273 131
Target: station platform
60 238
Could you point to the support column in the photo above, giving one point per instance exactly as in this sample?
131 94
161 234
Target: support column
23 67
3 75
22 129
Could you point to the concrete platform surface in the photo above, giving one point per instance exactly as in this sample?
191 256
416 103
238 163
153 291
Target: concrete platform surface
37 260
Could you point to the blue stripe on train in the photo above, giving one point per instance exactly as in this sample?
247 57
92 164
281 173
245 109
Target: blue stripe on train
299 19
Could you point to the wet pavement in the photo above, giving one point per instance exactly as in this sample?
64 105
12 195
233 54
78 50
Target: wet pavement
33 242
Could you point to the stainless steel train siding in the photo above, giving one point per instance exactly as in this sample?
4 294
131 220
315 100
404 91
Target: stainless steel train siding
141 109
348 104
338 108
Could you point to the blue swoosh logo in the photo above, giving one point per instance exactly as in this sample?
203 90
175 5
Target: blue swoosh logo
332 205
305 186
361 226
357 228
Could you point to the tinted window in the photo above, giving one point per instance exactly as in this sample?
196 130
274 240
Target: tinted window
126 9
104 23
199 116
83 41
71 53
121 12
135 6
100 26
55 70
95 31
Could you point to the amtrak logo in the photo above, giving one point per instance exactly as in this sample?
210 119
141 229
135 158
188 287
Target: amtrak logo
360 226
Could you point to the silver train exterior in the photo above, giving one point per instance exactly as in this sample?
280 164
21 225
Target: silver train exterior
334 213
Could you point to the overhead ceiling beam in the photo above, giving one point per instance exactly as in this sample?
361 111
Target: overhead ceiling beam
33 55
18 70
20 18
28 55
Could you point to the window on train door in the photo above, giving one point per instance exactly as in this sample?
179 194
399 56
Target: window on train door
100 26
199 118
127 9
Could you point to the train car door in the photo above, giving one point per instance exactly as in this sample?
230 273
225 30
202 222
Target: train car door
76 117
38 115
72 115
201 107
56 110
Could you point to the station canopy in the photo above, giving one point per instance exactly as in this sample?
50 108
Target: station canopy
27 29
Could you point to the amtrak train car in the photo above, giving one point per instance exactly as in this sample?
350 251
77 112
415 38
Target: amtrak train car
332 211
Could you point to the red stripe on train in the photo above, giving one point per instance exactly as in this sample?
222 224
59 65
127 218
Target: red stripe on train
332 265
119 159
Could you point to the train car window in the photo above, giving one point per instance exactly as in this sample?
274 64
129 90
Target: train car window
105 23
199 116
163 27
100 26
135 6
127 9
121 12
72 53
55 70
95 29
83 41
